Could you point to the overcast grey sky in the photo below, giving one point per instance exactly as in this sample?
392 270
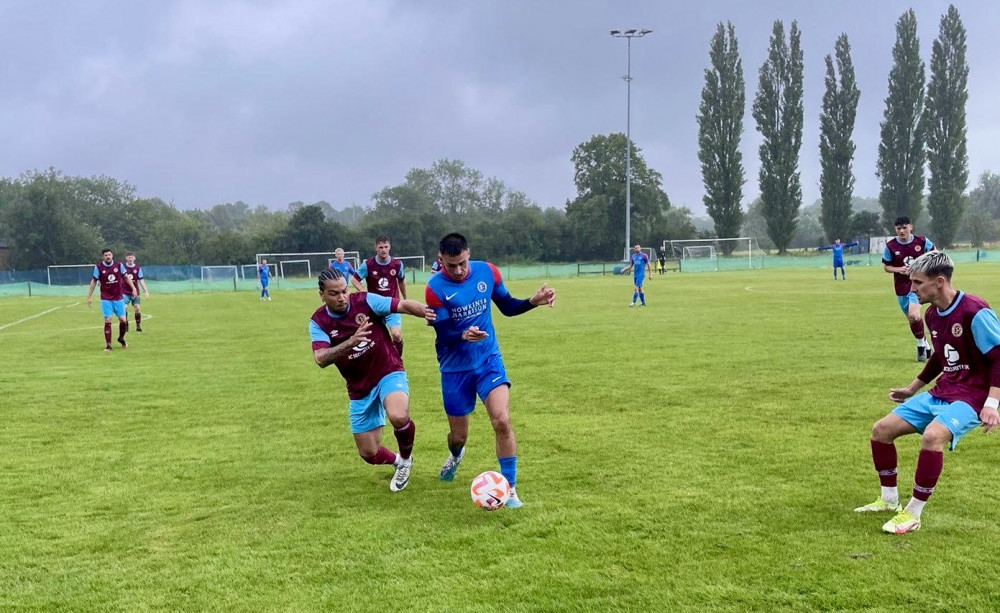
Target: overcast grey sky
269 102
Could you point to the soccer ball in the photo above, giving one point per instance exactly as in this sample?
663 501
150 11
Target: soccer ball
490 491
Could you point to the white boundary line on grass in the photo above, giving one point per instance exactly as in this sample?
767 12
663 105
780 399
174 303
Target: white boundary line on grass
30 317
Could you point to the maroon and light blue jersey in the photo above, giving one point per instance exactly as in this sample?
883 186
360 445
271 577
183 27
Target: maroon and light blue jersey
382 279
369 362
459 305
966 340
109 277
134 273
902 254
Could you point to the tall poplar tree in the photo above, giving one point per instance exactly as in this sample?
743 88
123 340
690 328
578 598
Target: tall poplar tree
836 145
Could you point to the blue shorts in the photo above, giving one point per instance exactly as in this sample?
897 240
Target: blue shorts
113 307
638 279
133 300
922 409
368 413
394 320
838 263
263 283
460 389
906 301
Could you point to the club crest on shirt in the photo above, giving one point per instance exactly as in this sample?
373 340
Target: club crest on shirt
393 272
360 319
917 248
481 286
956 330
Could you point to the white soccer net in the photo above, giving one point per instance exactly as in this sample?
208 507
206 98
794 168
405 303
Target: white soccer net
218 273
318 260
294 268
69 274
702 254
412 262
249 271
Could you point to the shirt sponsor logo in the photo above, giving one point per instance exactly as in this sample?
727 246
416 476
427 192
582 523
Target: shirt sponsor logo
383 284
952 357
470 310
956 330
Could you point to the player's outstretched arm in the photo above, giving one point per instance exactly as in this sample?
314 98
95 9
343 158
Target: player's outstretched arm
357 284
412 307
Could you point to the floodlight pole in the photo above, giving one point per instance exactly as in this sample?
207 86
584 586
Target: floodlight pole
628 35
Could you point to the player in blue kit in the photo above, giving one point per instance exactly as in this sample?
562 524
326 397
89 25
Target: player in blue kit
339 263
838 257
263 278
458 305
637 264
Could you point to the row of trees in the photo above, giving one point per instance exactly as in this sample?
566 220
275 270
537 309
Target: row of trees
922 127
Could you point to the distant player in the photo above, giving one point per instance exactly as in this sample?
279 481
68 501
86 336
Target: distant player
110 273
896 258
458 301
133 272
346 269
966 336
349 331
385 276
838 257
436 266
263 279
637 264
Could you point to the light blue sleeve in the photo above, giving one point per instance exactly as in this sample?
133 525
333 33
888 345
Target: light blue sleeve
887 255
97 273
316 333
402 272
986 330
141 276
121 268
363 270
928 244
380 304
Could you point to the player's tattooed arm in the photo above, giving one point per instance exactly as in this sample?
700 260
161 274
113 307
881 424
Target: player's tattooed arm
411 307
326 356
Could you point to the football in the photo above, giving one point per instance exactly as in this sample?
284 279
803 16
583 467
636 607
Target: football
490 490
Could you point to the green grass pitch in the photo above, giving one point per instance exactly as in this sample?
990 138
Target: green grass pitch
702 453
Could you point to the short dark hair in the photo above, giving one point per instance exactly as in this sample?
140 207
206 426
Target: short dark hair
902 221
106 250
382 238
128 253
453 244
329 274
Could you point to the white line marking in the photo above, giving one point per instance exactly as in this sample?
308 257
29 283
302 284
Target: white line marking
14 323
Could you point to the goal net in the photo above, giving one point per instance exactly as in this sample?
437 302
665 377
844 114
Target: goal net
69 274
412 263
295 268
703 254
218 273
249 271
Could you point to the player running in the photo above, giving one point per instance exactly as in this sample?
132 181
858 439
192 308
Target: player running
896 258
966 336
110 273
458 301
638 263
349 331
386 276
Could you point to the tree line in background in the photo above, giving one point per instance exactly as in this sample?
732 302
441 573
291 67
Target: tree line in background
49 218
923 127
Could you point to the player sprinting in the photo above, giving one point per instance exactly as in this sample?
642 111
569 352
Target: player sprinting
263 279
966 336
458 301
345 269
133 272
638 263
385 276
896 258
110 273
349 331
838 256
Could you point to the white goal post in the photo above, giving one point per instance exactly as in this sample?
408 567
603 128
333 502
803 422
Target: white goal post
710 253
417 261
253 270
218 273
353 261
69 274
282 263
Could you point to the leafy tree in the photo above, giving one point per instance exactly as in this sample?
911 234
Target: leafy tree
901 154
836 145
720 128
986 195
778 111
866 223
947 152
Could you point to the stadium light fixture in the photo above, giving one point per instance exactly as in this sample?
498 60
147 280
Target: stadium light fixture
628 35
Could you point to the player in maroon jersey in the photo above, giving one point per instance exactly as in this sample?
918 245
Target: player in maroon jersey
386 276
966 363
349 331
111 275
133 272
896 257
